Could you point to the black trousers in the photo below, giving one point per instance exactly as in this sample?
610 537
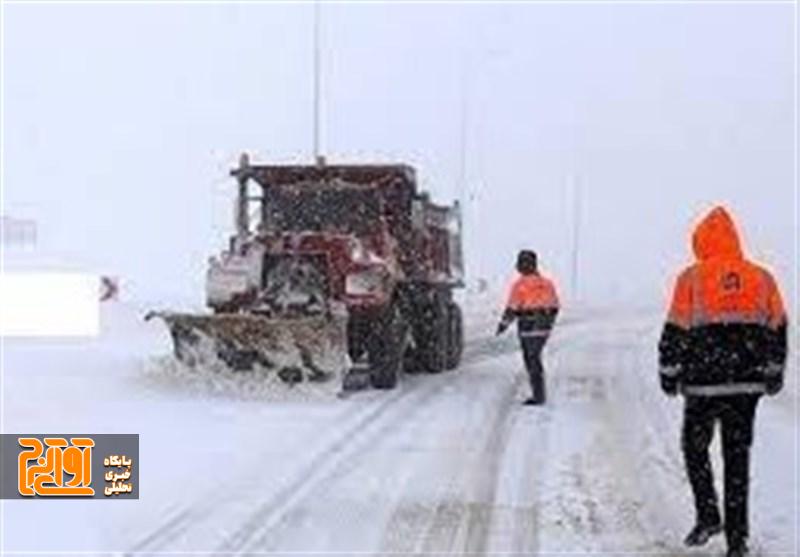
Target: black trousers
735 414
532 354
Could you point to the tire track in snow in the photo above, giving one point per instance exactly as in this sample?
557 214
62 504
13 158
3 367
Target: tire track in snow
473 518
468 517
253 533
203 507
594 496
487 471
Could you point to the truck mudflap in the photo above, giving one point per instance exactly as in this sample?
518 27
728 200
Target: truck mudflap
307 348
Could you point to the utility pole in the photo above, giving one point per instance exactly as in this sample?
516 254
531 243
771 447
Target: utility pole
317 83
576 231
462 137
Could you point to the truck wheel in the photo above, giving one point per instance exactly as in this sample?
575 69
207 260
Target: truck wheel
432 337
411 361
387 346
455 341
357 341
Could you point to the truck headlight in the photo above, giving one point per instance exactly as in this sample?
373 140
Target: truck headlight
364 283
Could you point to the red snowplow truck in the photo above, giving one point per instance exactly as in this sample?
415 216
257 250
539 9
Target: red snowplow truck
334 271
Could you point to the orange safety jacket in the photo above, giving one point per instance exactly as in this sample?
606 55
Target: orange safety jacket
726 327
533 301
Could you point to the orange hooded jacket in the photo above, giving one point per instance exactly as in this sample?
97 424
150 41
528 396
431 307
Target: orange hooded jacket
530 292
723 286
533 302
726 331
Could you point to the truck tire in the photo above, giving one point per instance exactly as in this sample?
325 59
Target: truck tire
431 336
455 340
386 350
357 340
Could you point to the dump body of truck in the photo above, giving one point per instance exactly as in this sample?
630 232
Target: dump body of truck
356 247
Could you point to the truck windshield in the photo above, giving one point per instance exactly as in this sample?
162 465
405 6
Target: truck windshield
321 209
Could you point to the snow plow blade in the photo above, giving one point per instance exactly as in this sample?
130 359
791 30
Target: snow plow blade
298 349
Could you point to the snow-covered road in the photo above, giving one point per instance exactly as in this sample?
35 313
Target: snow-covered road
444 464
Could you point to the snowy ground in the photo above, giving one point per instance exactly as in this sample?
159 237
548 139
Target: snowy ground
447 464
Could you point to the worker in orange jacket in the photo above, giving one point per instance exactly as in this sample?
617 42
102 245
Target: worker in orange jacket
723 346
533 303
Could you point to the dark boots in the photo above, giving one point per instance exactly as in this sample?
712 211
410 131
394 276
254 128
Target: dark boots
701 533
738 550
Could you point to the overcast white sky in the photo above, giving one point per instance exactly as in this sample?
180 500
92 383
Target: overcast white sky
120 122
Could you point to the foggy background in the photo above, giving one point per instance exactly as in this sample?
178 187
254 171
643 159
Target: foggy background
121 121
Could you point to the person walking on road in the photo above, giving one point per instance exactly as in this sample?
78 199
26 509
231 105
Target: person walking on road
533 303
723 346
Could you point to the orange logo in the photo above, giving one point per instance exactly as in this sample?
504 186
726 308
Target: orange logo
45 473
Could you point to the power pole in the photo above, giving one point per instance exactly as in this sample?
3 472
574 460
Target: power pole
462 137
576 230
317 83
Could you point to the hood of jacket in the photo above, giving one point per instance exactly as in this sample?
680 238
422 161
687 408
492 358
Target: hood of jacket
716 236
